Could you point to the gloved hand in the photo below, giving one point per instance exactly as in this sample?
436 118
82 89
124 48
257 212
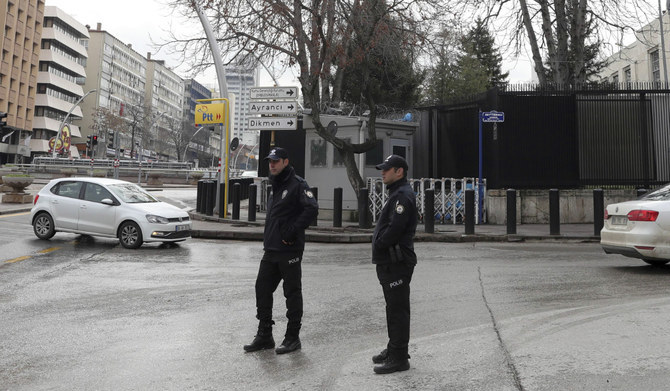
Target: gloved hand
288 234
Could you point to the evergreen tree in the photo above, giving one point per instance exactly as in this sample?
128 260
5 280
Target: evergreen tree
480 43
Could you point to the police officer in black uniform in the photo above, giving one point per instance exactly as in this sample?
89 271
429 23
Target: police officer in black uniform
291 208
393 253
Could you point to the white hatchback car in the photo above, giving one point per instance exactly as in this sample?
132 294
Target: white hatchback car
639 228
109 208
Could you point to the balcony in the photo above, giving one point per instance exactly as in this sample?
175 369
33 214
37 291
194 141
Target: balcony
48 78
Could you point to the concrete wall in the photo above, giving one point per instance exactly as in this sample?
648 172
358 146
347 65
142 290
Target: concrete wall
532 206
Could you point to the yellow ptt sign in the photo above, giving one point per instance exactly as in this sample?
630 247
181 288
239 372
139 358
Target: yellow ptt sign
210 114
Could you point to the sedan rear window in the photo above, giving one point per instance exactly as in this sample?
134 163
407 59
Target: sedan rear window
131 193
662 194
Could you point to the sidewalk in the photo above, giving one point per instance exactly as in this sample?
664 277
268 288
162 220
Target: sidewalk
214 227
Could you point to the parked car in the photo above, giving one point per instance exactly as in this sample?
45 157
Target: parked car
639 228
109 208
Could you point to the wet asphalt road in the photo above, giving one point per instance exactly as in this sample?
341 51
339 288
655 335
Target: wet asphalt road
78 313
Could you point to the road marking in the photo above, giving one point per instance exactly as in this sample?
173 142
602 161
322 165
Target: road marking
23 258
15 214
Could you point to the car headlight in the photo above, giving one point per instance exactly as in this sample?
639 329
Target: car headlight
157 219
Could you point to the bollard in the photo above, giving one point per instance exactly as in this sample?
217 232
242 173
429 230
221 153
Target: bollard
469 212
198 197
598 211
237 191
315 192
363 208
337 207
640 193
211 198
554 213
511 212
223 207
253 190
429 211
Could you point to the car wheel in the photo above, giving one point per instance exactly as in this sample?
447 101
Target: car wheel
130 235
656 262
43 226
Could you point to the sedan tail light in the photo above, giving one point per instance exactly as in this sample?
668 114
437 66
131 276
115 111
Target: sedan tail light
36 197
607 215
642 215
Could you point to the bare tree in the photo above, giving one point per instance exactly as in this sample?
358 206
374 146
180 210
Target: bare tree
561 34
318 37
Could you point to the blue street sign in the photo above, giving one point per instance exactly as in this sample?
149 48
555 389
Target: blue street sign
493 116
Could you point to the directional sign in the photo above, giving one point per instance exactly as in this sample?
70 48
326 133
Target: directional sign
493 116
273 123
210 114
273 92
288 107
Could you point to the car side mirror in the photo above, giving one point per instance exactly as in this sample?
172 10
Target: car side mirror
107 201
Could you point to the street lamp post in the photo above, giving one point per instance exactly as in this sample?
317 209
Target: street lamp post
189 142
60 127
141 151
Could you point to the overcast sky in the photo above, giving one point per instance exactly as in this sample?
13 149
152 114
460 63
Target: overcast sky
138 22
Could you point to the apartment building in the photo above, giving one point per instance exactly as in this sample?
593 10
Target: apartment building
118 106
59 80
20 44
240 78
199 145
165 93
641 61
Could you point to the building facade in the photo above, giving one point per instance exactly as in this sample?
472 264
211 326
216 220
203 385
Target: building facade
22 22
641 61
164 93
59 80
198 145
239 79
117 108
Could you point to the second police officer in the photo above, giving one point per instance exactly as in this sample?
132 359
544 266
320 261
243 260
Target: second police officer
291 208
393 254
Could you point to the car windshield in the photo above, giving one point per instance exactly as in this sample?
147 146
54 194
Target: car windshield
662 194
131 193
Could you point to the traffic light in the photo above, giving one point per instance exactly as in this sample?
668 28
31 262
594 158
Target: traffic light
94 140
3 119
89 139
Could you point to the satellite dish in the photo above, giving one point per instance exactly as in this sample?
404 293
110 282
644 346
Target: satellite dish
332 127
234 144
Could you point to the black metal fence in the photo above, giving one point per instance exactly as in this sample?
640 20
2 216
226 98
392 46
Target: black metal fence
610 135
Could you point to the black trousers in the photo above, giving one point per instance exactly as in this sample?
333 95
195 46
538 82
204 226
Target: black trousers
274 268
395 279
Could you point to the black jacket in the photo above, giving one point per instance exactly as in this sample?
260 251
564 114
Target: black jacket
393 239
291 208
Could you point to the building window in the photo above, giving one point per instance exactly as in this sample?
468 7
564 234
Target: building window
615 78
318 148
338 159
627 77
376 155
655 67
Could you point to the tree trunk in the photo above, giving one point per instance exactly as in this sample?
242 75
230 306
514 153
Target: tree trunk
532 40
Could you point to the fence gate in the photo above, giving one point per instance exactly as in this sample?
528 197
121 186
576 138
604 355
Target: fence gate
449 197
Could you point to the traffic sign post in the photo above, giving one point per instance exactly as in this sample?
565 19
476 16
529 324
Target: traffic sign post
273 123
486 116
273 92
289 107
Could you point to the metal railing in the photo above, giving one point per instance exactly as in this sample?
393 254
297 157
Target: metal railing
449 197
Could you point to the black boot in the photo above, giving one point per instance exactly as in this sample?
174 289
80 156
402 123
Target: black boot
392 365
289 345
262 340
382 356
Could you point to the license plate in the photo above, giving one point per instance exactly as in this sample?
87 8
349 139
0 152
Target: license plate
619 220
183 227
